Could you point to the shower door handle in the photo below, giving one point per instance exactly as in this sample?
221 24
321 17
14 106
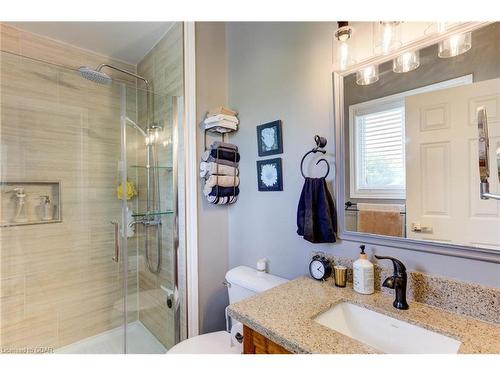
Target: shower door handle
116 258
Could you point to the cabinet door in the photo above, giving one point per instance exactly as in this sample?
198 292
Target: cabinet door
255 343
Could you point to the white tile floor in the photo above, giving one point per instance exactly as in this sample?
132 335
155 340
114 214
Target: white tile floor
139 341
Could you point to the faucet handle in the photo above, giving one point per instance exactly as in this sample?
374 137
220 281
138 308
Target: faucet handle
399 267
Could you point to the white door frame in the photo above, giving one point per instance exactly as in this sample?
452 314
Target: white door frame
191 179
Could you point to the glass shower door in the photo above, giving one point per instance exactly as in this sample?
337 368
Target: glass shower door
151 298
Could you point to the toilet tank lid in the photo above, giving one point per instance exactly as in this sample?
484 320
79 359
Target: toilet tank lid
252 279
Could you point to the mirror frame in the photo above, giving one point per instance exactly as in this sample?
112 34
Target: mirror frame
461 251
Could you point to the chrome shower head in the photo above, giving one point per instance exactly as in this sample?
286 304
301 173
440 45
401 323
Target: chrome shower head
94 75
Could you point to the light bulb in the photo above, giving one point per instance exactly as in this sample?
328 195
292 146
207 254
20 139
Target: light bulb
367 76
406 62
342 40
343 55
386 37
455 45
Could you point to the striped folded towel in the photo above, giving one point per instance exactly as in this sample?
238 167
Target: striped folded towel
207 169
224 181
221 200
221 191
210 159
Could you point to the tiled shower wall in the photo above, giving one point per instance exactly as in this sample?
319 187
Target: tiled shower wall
57 281
163 67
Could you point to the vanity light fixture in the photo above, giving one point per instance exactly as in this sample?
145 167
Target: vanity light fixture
367 76
386 36
455 45
406 62
344 49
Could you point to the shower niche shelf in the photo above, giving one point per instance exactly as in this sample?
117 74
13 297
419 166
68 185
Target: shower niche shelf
34 192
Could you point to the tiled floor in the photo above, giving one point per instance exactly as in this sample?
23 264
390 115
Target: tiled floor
139 341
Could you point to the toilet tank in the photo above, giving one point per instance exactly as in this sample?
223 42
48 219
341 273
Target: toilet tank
244 282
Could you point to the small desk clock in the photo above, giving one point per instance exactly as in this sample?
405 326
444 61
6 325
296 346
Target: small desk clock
320 268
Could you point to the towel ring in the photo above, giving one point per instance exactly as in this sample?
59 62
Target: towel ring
320 144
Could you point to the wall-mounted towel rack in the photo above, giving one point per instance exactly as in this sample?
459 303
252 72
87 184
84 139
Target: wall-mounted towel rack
320 145
212 131
216 185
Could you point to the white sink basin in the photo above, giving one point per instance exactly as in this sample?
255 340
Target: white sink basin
384 333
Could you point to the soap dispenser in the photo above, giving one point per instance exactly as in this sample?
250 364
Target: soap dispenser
46 207
363 274
21 216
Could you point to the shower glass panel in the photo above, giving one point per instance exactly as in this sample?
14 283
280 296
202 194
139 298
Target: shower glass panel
69 139
153 214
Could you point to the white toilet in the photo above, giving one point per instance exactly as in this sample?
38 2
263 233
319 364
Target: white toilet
242 282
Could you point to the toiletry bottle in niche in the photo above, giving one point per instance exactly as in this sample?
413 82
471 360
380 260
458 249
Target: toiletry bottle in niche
21 215
46 208
362 273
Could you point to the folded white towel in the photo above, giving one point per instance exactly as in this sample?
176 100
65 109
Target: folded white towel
207 169
224 181
222 124
220 117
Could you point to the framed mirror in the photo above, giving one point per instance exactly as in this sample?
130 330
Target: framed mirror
407 146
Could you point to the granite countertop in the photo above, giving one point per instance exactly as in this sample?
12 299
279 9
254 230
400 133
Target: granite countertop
285 314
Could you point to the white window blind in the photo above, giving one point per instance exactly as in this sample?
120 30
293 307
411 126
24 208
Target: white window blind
381 153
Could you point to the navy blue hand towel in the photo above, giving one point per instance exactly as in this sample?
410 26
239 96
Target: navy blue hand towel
316 214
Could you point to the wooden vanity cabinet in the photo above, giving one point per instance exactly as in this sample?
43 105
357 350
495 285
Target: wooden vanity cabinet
255 343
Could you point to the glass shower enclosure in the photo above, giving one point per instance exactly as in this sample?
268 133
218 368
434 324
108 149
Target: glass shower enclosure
88 213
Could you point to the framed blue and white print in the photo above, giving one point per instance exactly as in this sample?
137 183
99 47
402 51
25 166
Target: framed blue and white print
269 175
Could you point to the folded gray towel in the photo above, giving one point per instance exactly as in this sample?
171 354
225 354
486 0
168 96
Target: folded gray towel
210 159
218 144
222 154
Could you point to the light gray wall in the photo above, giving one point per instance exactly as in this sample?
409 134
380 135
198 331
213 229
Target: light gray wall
284 71
277 71
211 91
